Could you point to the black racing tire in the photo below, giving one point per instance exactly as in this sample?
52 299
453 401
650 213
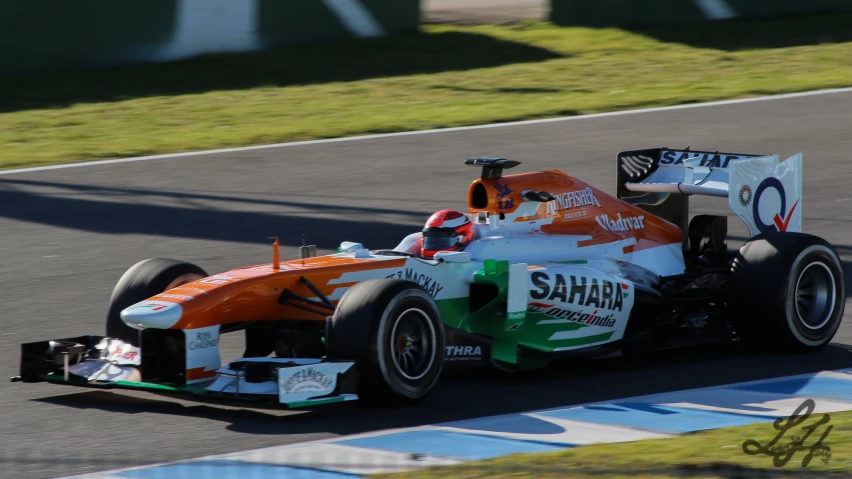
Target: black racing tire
393 331
786 292
143 280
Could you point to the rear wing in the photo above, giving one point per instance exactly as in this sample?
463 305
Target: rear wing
763 191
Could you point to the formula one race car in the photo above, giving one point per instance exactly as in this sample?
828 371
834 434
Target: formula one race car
542 266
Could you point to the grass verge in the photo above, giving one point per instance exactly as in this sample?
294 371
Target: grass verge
444 76
716 453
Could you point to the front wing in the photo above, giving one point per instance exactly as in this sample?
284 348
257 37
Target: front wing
101 362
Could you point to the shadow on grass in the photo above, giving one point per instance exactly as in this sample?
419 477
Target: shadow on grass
500 91
297 65
751 34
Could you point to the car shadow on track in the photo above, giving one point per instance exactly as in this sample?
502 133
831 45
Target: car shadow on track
118 211
486 393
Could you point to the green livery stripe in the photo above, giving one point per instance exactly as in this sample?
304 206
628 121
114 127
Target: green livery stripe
55 378
536 319
162 387
316 402
60 379
143 386
582 341
494 267
454 311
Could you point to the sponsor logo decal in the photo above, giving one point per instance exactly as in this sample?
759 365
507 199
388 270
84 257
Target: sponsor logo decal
590 319
504 203
582 291
203 340
513 327
119 353
151 306
122 353
202 353
621 223
571 200
712 160
535 307
745 195
218 279
781 220
463 353
428 284
573 215
175 296
308 379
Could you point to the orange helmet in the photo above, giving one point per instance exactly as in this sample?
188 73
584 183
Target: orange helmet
446 230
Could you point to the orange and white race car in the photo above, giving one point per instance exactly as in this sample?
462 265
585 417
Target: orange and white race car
541 266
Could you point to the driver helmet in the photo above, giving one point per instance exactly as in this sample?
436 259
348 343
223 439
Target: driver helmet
446 230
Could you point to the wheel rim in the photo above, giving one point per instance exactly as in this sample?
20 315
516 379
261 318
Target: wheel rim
815 295
412 344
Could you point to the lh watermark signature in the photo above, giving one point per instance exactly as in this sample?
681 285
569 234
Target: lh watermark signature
783 446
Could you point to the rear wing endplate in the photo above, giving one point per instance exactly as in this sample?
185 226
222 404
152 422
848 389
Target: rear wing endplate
763 191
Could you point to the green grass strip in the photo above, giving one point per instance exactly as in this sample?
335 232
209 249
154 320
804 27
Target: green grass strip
445 76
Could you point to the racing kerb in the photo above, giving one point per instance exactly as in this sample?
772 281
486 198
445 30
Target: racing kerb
668 12
629 419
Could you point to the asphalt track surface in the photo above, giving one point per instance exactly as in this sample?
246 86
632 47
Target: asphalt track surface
69 234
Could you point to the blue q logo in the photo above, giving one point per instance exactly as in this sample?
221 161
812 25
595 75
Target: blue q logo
781 219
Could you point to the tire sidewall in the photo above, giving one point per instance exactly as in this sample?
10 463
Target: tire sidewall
814 338
140 282
407 299
762 292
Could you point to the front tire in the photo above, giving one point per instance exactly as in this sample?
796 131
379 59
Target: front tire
145 279
393 330
787 292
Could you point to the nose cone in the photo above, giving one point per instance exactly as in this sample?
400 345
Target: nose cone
152 314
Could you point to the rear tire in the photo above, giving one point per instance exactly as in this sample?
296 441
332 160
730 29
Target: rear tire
145 279
787 292
393 331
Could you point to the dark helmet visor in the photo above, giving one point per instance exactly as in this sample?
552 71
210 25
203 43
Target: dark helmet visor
439 238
